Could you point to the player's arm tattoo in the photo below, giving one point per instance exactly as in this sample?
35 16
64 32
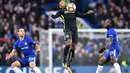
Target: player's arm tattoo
110 40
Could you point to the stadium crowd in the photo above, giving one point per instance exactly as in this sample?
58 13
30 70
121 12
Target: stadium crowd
119 10
30 14
86 52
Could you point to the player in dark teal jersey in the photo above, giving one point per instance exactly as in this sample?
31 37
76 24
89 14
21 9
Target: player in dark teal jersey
112 45
70 30
28 47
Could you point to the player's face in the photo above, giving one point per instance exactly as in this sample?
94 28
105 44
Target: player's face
21 32
107 23
62 4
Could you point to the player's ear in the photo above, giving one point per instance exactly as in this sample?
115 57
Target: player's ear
18 32
26 33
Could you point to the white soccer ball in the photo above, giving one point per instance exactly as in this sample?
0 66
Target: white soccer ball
71 7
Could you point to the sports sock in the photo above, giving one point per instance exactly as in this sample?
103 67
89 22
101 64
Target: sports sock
117 67
66 49
71 54
36 70
17 70
99 69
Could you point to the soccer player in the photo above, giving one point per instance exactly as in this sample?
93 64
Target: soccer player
112 45
70 31
28 47
62 5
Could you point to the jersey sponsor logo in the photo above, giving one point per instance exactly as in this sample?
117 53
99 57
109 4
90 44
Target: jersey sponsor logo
25 43
67 36
24 48
111 35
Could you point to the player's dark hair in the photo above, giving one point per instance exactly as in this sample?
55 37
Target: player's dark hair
59 5
21 28
112 23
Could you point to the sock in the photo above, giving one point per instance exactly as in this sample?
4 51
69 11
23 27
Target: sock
99 69
17 70
66 49
117 67
71 54
36 70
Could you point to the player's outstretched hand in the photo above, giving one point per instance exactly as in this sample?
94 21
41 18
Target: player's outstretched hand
102 50
90 11
7 58
38 50
51 14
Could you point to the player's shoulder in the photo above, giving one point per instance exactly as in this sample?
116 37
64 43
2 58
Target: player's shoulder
111 30
61 10
16 42
28 37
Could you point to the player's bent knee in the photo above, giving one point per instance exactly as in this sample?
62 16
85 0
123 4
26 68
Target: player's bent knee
113 60
15 64
102 61
32 65
73 45
68 42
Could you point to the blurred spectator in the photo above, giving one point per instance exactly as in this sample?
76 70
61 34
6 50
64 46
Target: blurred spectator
117 10
103 9
87 54
28 14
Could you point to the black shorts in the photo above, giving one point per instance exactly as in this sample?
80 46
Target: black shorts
71 34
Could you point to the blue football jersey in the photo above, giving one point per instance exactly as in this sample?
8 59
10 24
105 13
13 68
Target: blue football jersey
111 33
26 46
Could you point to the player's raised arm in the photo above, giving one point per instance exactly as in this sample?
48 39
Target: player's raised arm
60 12
62 5
78 14
11 54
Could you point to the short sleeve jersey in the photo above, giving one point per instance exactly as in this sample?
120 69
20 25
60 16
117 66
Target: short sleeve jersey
26 46
111 33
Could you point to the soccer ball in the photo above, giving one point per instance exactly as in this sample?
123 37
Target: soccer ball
71 7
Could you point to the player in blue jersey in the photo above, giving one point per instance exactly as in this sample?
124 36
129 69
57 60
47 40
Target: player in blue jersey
29 48
112 45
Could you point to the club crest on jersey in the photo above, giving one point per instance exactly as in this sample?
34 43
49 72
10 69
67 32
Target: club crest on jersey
110 35
67 36
25 43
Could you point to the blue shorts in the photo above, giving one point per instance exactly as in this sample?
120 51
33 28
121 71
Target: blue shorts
111 53
26 60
